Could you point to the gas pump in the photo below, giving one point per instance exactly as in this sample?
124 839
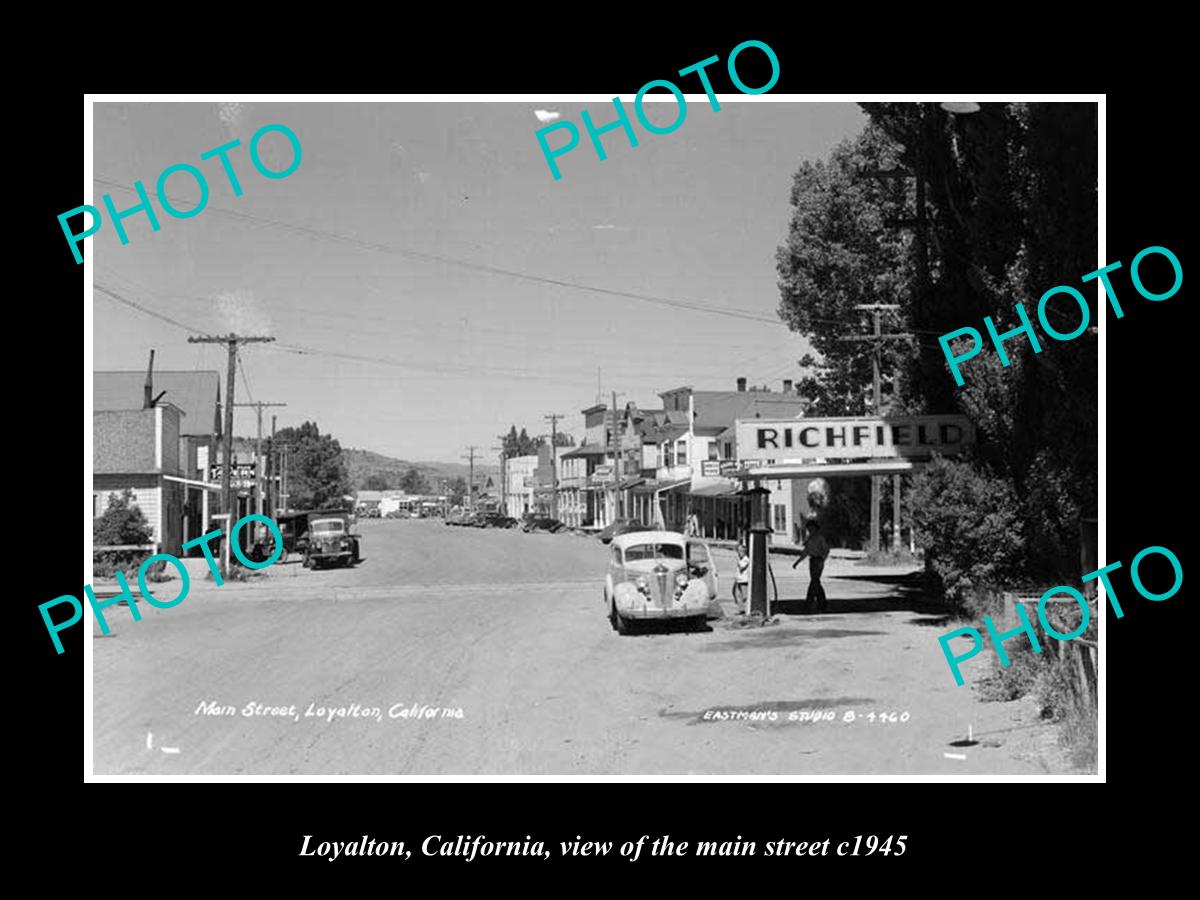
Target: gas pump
759 498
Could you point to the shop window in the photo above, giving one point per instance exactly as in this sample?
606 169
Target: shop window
780 517
712 451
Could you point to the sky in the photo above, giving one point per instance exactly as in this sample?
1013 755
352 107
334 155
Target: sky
391 350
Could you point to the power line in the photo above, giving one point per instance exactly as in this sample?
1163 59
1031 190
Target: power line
120 299
246 385
304 350
466 264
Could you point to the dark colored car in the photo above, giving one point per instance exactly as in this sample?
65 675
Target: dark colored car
544 523
330 541
621 526
294 528
499 520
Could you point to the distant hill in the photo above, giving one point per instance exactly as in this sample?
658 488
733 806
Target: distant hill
362 464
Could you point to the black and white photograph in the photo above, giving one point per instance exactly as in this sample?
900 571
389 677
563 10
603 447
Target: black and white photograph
691 435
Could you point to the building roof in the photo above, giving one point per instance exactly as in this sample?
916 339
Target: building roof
587 450
660 434
197 394
719 409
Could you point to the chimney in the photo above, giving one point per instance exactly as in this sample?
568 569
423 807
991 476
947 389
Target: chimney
787 385
148 389
741 383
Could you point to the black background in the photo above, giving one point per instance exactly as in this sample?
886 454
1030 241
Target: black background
959 835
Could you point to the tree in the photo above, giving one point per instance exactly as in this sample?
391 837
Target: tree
122 523
317 475
841 251
563 439
414 482
458 491
1010 211
525 444
511 445
376 481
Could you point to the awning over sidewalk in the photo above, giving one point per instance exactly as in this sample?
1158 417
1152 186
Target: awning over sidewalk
821 470
716 490
651 486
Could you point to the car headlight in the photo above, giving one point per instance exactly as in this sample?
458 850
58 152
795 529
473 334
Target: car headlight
681 580
642 584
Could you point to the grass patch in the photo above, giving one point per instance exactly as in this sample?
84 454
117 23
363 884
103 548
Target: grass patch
889 558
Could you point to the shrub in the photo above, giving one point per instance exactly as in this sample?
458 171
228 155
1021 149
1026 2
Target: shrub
123 522
968 524
1013 683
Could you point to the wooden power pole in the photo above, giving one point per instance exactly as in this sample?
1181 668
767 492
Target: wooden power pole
503 474
259 480
470 456
231 342
876 339
553 418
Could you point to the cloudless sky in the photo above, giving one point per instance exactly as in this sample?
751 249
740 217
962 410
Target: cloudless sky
456 354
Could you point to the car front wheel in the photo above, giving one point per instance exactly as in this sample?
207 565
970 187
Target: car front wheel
620 623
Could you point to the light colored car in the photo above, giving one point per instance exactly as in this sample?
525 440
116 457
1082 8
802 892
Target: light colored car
659 575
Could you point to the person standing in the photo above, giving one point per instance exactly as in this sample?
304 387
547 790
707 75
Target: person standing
741 584
816 548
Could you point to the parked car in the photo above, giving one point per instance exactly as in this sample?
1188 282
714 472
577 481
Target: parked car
659 575
330 541
544 523
294 528
499 520
622 526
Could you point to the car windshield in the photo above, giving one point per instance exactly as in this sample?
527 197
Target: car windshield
653 551
328 526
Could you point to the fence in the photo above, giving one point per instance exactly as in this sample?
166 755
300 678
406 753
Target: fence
1078 657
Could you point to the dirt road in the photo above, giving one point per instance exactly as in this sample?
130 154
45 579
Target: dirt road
486 652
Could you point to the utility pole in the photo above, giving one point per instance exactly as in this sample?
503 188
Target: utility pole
470 455
283 475
616 460
919 223
259 480
272 488
876 339
503 474
553 418
231 342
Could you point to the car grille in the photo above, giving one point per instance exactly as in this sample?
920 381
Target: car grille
661 583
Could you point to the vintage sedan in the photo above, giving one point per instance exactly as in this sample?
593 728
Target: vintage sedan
659 575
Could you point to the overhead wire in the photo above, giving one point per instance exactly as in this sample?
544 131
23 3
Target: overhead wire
324 234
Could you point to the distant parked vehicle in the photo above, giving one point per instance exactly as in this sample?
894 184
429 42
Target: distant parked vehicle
622 526
544 523
499 520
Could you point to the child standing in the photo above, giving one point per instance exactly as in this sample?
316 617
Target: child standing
816 548
741 584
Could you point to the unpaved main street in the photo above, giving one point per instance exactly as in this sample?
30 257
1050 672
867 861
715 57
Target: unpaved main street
510 629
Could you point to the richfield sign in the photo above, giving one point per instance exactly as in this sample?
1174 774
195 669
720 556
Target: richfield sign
853 438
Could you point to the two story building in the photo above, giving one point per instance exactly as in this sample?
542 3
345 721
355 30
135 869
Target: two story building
157 433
